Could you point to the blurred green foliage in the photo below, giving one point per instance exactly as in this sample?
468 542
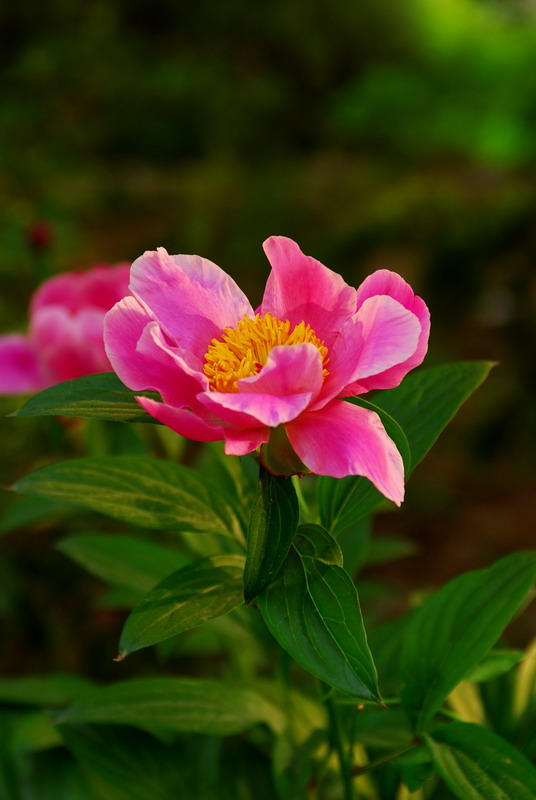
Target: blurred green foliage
377 134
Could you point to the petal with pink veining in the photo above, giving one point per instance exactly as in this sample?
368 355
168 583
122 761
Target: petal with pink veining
385 282
192 299
300 288
289 369
143 360
343 439
390 335
253 410
21 369
182 421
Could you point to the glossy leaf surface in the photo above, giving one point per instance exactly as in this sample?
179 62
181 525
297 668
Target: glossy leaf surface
273 523
204 590
140 490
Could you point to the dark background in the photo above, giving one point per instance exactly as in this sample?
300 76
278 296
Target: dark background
376 134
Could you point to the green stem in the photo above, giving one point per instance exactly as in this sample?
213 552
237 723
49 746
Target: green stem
360 770
337 739
302 502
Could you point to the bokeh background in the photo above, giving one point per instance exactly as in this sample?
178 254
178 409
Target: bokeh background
376 134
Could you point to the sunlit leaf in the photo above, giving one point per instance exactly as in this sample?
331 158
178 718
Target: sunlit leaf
455 628
140 490
476 764
199 592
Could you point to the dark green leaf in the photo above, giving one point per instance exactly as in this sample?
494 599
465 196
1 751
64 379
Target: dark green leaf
139 490
313 541
455 629
313 611
476 764
422 406
123 560
176 704
46 690
193 595
427 400
98 396
274 520
125 764
26 511
497 662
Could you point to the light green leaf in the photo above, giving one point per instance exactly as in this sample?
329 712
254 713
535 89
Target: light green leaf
98 396
140 490
46 690
190 705
455 629
312 609
273 523
476 764
199 592
422 407
123 560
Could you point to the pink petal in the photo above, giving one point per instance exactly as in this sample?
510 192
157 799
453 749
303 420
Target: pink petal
293 369
21 370
390 335
343 439
255 410
182 421
239 442
143 360
69 345
192 299
100 287
384 282
300 288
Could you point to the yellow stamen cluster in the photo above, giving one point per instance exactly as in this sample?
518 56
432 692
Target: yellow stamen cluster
243 351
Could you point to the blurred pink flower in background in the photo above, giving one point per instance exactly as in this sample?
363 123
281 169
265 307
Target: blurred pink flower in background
273 377
65 336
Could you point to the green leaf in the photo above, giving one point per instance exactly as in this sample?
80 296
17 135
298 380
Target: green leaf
455 629
422 407
476 764
125 764
273 523
193 595
123 560
497 662
313 541
25 511
97 396
427 400
46 690
189 705
140 490
312 609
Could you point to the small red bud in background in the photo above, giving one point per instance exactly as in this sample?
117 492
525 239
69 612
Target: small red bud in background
39 235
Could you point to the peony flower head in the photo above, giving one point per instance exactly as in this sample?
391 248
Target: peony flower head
65 337
275 377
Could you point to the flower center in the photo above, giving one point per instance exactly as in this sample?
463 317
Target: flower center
244 350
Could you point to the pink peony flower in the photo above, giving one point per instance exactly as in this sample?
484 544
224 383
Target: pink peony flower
274 377
65 338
